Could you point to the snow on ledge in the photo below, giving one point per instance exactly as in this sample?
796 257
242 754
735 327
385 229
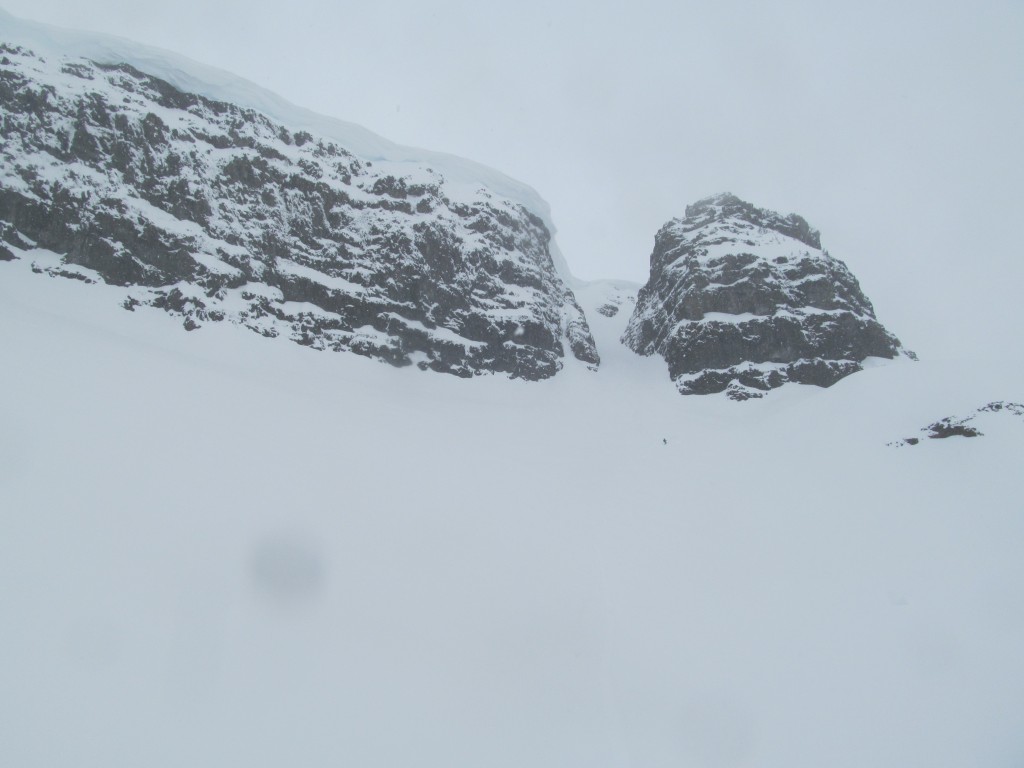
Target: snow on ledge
193 77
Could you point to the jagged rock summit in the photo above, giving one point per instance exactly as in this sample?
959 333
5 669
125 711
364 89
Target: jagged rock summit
213 210
743 300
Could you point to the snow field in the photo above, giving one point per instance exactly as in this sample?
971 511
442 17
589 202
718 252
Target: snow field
222 549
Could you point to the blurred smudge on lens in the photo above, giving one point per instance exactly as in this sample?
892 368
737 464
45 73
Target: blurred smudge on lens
286 569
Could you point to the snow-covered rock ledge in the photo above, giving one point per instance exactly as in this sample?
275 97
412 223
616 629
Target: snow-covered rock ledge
218 201
743 300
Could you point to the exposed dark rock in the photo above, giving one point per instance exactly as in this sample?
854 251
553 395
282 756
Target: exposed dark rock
212 211
742 300
999 406
948 428
952 426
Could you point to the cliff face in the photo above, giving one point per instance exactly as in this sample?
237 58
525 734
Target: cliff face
215 212
743 300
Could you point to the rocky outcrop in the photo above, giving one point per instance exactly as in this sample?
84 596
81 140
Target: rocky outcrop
964 426
741 300
215 212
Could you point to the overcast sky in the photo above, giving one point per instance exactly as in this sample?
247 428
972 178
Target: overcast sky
894 127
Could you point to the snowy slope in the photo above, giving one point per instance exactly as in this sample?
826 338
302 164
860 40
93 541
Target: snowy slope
219 550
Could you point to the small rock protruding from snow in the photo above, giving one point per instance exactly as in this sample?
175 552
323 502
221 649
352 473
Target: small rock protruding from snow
967 426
